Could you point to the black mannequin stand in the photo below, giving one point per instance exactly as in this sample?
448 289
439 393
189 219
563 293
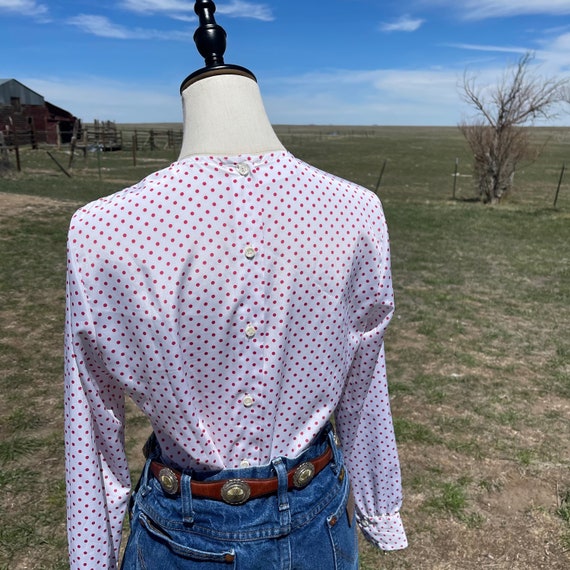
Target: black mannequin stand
210 39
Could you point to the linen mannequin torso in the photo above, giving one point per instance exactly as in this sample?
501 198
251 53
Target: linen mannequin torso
225 115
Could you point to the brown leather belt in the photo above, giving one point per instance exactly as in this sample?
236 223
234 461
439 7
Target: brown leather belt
238 491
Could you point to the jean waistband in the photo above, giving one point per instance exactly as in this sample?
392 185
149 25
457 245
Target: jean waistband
319 445
299 501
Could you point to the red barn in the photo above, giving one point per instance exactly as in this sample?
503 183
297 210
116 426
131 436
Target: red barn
28 116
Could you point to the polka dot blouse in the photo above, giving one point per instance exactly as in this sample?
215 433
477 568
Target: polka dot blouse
240 302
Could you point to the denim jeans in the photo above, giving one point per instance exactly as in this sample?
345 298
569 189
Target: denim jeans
310 528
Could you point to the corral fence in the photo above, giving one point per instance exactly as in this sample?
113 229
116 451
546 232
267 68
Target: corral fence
99 136
107 136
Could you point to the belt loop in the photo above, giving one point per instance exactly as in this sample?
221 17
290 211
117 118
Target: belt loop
282 488
337 461
186 496
143 487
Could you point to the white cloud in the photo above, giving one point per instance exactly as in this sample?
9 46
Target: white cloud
551 53
403 24
482 9
384 97
490 48
101 98
158 6
179 9
24 7
184 18
239 9
560 43
103 27
554 54
427 96
100 26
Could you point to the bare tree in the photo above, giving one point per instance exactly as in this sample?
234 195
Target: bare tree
498 135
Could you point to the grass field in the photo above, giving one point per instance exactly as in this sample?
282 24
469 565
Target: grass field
478 354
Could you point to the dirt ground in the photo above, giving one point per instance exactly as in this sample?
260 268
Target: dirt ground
516 528
18 204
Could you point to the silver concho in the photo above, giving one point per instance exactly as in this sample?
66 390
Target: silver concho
303 475
235 492
168 481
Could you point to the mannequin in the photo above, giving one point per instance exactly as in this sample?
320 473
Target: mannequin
224 115
240 299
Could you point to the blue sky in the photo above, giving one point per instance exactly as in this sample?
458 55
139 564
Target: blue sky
359 62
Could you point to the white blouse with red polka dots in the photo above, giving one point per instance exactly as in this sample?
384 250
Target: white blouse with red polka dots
240 302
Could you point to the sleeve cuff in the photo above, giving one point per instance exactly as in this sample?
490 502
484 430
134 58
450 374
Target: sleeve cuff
384 531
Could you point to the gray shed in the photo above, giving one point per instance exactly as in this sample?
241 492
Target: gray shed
12 91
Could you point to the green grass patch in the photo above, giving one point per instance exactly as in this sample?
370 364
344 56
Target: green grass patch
409 431
563 511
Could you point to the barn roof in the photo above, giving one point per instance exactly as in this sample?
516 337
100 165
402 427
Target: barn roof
58 113
13 88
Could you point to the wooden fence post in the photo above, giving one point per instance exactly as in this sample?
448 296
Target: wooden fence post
85 143
16 148
455 174
4 158
73 142
32 133
380 177
98 151
134 145
559 184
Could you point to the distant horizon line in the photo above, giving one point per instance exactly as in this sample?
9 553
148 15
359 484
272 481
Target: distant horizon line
317 125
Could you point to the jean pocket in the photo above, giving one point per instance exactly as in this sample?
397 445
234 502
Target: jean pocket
342 532
161 549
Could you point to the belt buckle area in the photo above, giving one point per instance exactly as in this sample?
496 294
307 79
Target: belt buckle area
303 475
235 492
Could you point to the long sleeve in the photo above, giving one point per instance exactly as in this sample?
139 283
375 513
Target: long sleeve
97 476
363 417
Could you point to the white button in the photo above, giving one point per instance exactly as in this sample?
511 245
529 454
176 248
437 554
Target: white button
244 463
250 252
250 331
243 169
247 401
